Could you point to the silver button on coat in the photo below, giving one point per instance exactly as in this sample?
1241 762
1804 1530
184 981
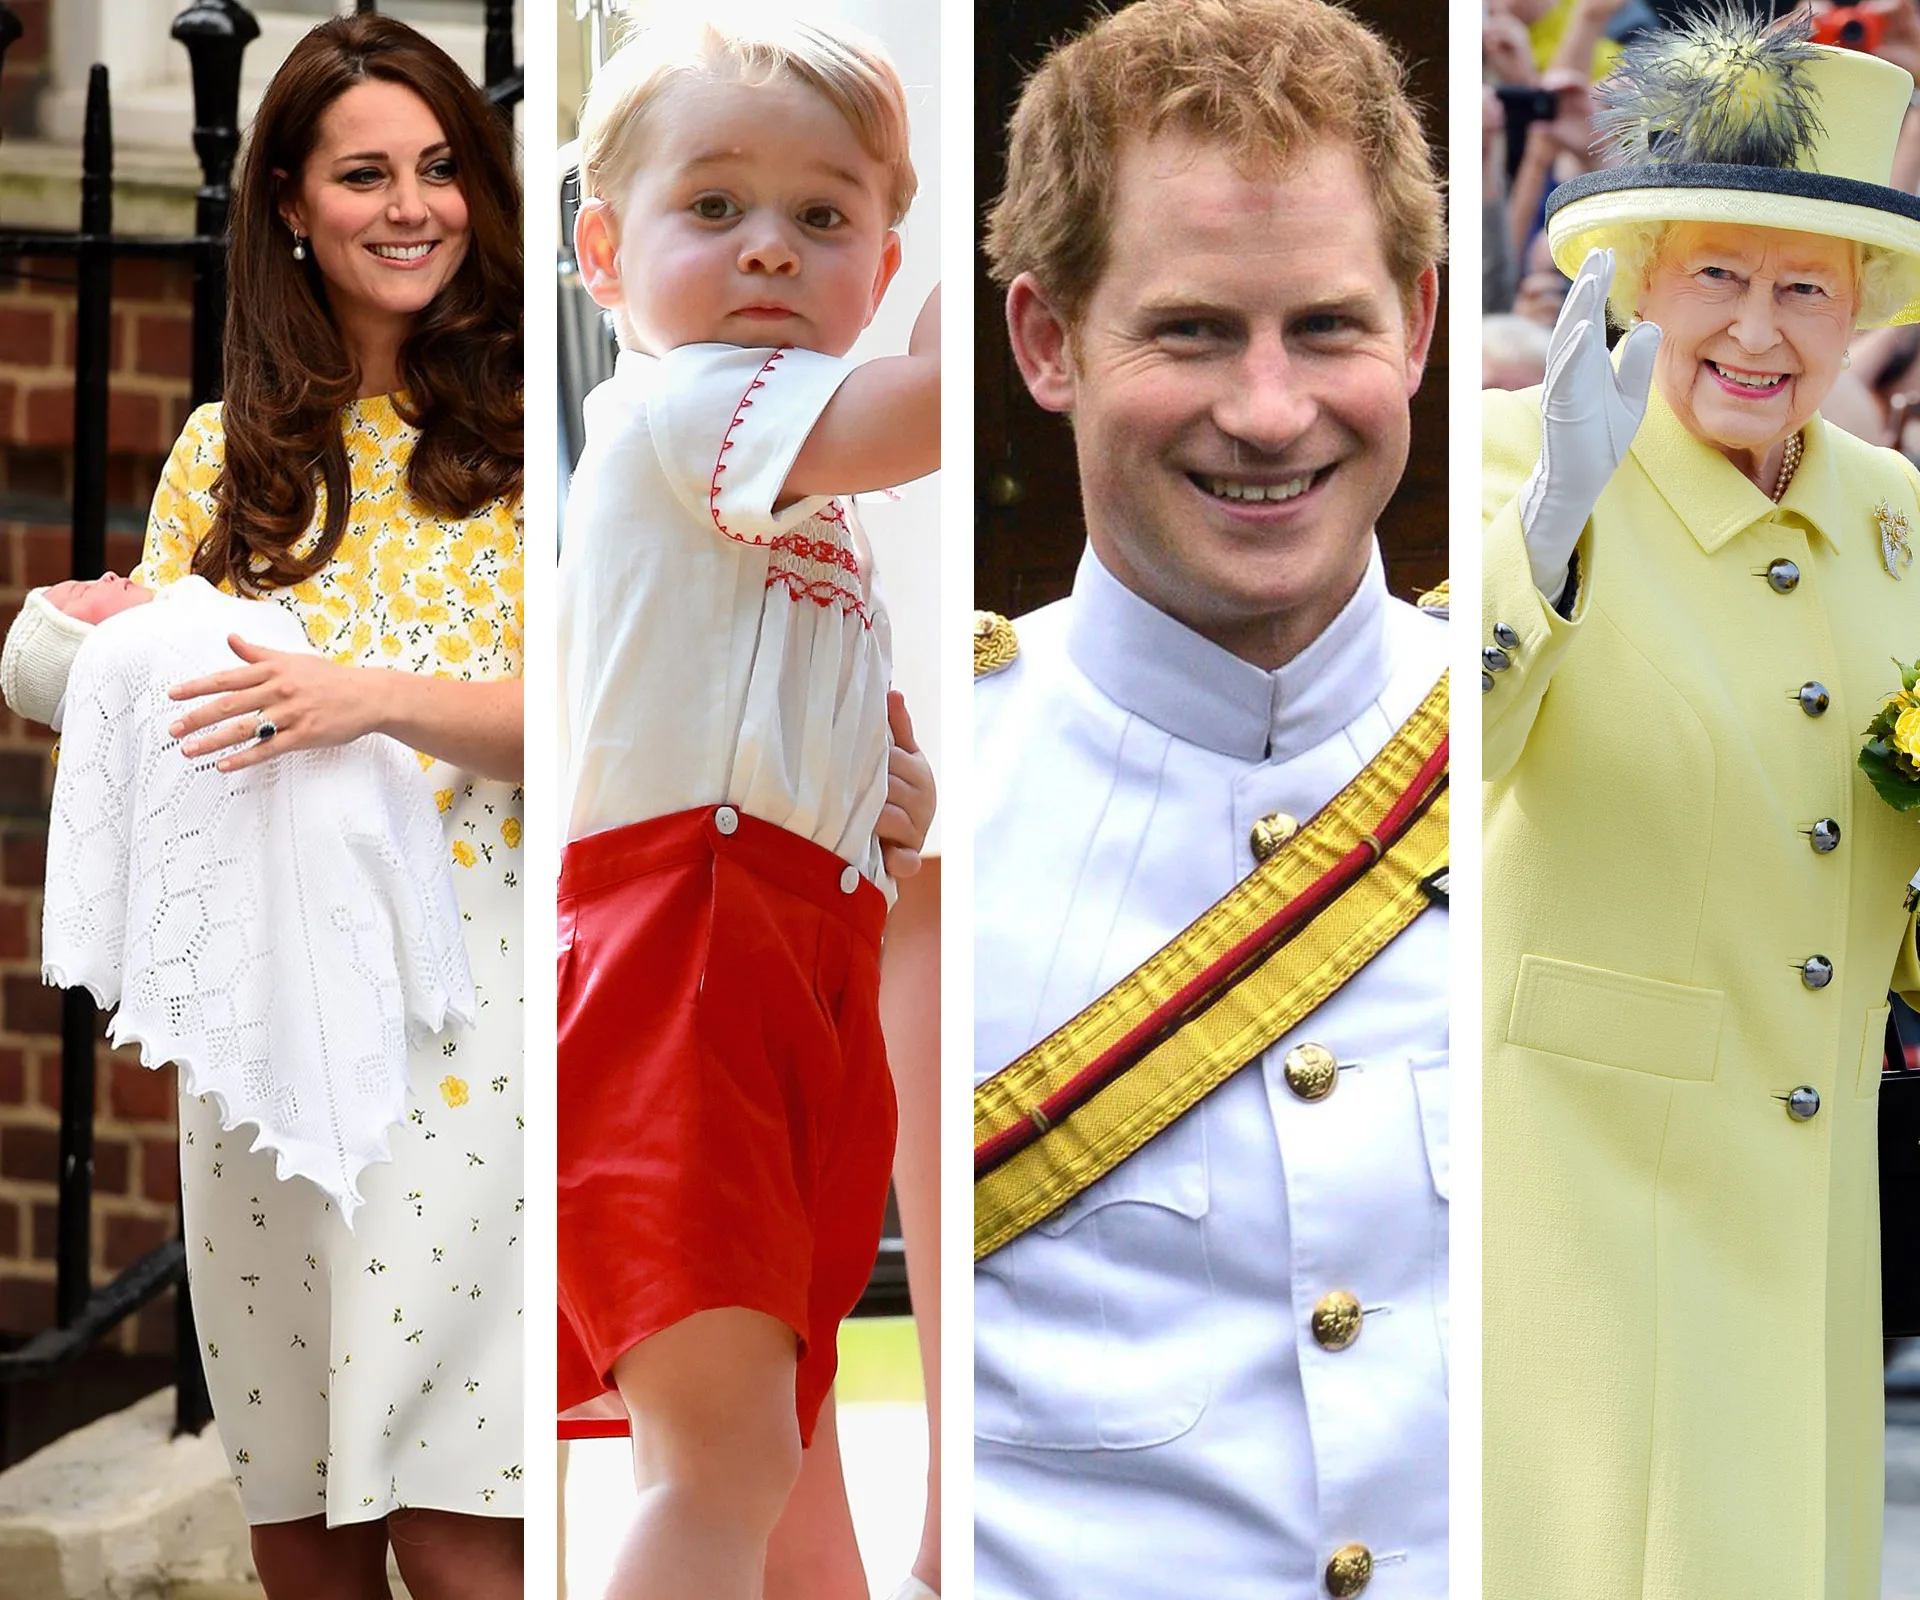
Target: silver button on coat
1816 972
1783 577
1813 698
1803 1104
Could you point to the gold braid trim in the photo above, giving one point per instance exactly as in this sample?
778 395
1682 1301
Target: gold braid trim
1236 1025
994 644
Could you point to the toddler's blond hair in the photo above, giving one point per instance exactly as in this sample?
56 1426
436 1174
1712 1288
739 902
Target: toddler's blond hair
852 71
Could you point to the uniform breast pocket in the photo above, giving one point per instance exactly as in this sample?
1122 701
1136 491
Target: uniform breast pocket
1091 1330
1432 1090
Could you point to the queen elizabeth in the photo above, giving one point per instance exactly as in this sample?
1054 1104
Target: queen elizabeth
1693 898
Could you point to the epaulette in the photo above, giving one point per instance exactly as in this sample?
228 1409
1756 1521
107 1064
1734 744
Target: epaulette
1437 602
994 644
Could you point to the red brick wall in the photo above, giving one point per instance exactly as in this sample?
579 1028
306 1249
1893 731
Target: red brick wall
150 354
136 1177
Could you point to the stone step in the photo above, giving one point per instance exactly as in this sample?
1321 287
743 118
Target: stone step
121 1510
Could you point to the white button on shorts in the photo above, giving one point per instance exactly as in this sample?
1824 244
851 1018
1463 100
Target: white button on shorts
726 819
849 880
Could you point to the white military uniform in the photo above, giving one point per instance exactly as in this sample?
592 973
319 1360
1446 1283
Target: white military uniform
1153 1415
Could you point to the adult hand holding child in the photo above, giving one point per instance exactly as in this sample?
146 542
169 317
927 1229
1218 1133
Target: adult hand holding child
309 701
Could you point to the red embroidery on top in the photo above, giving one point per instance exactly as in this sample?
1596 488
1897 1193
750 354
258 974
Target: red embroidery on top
726 444
795 542
822 550
821 592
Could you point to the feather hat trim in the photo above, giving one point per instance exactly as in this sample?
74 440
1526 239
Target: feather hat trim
1727 120
1722 89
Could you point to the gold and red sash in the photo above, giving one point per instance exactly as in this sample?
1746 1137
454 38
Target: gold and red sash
1199 1009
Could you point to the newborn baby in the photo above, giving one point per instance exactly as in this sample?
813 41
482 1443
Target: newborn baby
278 932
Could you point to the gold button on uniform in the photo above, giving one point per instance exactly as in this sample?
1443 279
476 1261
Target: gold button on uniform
1311 1071
1336 1320
1349 1570
1269 833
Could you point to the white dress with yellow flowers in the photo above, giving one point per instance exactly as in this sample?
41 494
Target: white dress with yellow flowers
357 1373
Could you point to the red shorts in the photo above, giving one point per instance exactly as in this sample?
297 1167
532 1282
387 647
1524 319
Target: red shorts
726 1115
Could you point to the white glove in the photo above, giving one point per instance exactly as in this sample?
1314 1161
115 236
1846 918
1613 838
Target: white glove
1589 414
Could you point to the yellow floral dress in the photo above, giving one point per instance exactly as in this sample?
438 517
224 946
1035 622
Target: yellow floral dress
356 1373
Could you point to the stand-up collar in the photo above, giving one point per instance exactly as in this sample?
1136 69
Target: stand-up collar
1160 669
1715 500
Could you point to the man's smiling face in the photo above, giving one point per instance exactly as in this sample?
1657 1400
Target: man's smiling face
1239 385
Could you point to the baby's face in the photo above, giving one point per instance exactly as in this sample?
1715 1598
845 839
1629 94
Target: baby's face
756 219
97 599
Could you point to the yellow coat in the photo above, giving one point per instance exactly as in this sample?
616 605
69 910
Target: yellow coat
1682 1360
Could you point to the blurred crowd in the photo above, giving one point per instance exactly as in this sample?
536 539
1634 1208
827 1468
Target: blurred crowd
1539 62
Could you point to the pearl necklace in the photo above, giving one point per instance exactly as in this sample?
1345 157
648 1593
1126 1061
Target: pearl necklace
1789 465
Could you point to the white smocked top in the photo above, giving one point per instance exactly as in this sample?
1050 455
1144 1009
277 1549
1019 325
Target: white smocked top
714 649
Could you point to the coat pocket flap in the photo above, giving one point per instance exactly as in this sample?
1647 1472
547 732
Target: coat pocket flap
1616 1019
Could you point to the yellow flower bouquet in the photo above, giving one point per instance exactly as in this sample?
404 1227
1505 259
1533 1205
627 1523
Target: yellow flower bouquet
1891 756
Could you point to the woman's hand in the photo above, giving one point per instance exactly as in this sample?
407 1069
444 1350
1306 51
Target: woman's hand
313 702
1589 413
1572 126
908 813
1506 50
308 701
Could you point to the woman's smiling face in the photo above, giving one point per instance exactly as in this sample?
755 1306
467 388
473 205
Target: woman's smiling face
380 203
1754 323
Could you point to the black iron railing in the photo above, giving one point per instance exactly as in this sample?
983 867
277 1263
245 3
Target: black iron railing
215 34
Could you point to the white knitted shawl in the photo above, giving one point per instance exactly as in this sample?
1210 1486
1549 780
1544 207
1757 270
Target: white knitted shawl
279 933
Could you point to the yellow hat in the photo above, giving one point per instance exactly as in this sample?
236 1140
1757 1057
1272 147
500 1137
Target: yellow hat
1725 120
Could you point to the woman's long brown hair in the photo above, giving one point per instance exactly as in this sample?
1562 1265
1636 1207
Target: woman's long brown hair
288 373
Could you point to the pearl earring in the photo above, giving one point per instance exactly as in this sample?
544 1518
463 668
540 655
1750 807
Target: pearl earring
299 248
1846 359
